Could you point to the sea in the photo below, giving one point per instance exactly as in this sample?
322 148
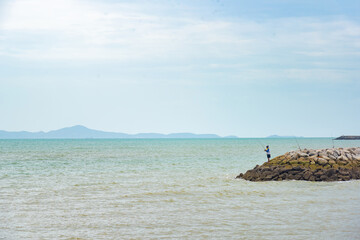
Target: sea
166 189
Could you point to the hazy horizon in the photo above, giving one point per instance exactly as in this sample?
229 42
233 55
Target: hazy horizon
226 67
74 130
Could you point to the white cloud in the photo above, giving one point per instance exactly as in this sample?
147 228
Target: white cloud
42 15
88 30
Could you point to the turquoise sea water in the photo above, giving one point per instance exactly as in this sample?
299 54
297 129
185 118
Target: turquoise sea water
166 188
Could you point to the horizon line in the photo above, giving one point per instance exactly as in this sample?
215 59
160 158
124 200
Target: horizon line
134 135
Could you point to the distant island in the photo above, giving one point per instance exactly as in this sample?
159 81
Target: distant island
81 132
277 136
348 138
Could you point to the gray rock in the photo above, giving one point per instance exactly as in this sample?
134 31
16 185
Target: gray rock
322 161
312 153
307 175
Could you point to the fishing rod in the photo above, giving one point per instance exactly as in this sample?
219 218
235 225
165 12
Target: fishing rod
260 143
297 143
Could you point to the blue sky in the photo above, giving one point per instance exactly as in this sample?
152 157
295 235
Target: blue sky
245 68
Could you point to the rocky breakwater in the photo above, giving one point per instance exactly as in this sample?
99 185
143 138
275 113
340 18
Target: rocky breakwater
335 164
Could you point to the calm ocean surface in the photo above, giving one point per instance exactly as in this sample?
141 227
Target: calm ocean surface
171 188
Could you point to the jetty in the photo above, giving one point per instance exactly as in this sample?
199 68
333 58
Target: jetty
348 138
334 164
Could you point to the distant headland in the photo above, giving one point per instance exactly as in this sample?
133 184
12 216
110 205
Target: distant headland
82 132
348 138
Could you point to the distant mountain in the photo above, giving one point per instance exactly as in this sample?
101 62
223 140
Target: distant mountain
277 136
78 132
69 132
231 136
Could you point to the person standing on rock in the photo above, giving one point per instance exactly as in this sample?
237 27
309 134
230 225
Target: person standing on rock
267 150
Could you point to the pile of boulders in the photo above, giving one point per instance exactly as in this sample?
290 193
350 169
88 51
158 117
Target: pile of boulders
335 164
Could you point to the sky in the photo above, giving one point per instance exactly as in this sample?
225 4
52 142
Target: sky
228 67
